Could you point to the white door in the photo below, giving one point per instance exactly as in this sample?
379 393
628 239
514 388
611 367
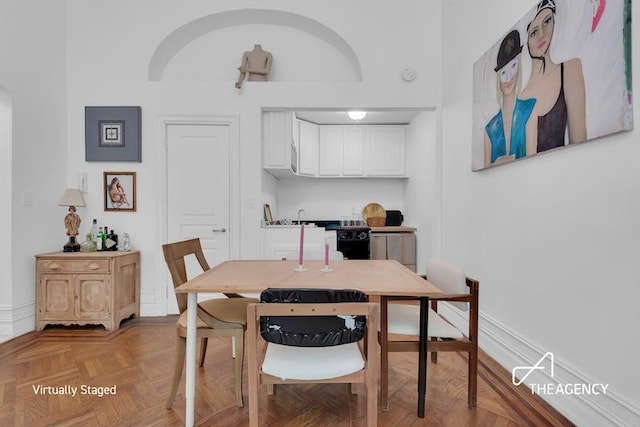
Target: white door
198 193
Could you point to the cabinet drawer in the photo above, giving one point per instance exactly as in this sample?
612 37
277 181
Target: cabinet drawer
73 265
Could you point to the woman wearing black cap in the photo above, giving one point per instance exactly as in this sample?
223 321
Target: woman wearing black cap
505 134
558 88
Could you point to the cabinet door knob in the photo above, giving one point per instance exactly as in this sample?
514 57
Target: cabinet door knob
93 266
219 230
54 266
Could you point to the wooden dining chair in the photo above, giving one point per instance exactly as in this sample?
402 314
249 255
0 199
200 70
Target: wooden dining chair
312 337
216 317
402 320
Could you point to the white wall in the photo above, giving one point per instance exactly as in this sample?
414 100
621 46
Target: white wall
423 189
552 239
332 198
33 73
109 61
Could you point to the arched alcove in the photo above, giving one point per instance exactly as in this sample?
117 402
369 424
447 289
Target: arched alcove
186 34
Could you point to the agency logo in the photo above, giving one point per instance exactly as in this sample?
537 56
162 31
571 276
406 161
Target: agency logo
528 370
519 374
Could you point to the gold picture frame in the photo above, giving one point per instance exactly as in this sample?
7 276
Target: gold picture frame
268 219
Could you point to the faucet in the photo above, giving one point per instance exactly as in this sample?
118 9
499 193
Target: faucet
300 211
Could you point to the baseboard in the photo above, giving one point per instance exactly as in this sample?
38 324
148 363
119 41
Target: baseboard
510 350
16 320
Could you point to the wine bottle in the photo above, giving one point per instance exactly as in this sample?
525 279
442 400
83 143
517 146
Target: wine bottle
104 239
112 241
99 241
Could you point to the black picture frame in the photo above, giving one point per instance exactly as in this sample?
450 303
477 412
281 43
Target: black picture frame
113 134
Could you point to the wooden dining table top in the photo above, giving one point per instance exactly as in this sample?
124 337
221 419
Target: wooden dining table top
372 277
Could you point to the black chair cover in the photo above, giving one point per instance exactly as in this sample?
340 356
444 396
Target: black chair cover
312 331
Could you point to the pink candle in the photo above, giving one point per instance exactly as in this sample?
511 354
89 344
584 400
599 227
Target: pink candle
326 254
301 244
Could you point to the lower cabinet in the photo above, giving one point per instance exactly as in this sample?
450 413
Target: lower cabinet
397 246
87 288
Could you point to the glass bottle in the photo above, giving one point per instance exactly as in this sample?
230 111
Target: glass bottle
99 240
104 239
88 245
126 242
94 230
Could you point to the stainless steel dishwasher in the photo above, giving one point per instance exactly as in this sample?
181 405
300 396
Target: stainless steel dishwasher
399 246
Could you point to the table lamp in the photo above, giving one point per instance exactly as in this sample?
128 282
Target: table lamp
72 198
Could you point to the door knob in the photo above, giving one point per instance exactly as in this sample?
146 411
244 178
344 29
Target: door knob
219 230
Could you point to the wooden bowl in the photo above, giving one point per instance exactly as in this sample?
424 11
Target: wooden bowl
376 221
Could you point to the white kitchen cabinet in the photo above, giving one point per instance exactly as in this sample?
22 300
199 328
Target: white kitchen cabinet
384 151
353 151
330 151
308 148
296 147
278 149
340 151
361 151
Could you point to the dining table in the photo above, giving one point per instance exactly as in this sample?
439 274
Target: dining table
378 279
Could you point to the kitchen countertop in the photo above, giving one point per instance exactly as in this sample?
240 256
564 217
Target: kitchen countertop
393 229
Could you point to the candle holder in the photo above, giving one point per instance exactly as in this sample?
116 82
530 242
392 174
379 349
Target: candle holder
326 269
299 269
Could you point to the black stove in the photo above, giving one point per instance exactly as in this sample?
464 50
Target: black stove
353 241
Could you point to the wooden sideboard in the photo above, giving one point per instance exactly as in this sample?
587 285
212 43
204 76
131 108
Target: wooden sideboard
81 288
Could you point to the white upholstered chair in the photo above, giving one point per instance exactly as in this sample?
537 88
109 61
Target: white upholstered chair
319 344
403 320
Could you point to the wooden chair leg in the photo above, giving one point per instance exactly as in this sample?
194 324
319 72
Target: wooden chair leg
239 361
181 349
473 379
434 354
203 350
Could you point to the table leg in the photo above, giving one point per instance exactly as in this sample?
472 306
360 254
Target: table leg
190 387
422 355
384 355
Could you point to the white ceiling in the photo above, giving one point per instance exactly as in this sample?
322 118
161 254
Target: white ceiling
330 117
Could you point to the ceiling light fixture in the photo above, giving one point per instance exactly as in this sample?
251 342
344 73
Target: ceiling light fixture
357 115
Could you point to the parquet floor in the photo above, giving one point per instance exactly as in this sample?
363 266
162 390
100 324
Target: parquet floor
138 361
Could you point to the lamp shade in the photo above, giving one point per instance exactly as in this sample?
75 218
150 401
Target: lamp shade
71 197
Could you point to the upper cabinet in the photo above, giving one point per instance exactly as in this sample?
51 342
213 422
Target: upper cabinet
384 151
362 151
279 151
332 151
341 151
308 148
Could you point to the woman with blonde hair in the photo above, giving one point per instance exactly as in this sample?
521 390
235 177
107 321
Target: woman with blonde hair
505 133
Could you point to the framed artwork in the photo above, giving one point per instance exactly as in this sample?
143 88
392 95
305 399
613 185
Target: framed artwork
112 134
119 191
560 76
268 219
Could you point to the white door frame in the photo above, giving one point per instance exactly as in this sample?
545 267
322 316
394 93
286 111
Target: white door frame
234 190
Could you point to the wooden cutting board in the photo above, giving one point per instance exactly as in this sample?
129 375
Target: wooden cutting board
373 210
